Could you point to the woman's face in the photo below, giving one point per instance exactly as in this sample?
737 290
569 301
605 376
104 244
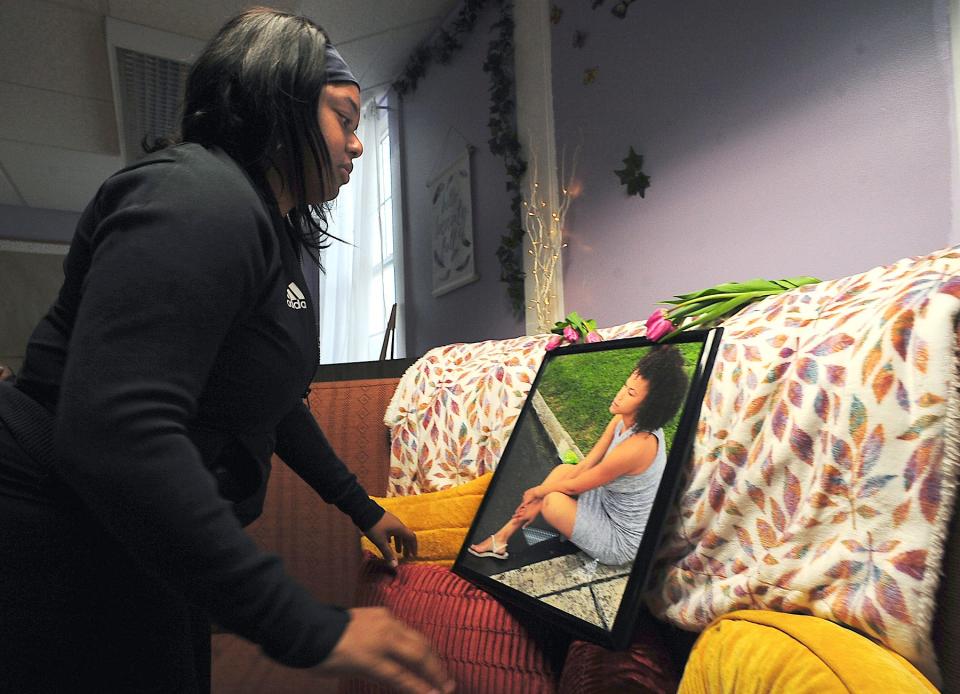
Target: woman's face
630 396
338 115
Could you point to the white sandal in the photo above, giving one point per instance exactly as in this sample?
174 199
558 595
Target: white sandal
491 552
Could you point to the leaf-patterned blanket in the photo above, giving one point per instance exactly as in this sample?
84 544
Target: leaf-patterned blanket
822 477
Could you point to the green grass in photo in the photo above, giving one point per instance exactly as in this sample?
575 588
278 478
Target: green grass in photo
580 387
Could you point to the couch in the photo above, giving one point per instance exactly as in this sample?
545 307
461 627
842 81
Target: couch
769 650
318 544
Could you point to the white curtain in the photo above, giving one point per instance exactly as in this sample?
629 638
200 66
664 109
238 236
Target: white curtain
344 290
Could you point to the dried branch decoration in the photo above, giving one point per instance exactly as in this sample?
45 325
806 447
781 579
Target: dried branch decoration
544 228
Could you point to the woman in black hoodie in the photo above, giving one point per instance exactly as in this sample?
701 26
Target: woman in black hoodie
137 439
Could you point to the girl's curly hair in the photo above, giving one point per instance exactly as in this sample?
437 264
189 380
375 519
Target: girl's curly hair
663 369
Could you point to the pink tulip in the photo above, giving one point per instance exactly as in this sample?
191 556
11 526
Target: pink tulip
659 325
571 334
594 336
554 342
656 317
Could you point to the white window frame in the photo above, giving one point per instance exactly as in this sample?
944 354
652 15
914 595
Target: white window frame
390 107
384 198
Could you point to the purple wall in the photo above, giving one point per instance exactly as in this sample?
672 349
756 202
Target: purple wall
788 138
451 104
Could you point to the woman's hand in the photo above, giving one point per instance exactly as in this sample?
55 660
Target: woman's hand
377 646
526 513
392 528
533 495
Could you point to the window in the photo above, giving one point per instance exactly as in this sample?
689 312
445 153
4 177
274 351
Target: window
383 288
363 278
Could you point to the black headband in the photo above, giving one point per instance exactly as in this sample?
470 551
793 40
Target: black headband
336 68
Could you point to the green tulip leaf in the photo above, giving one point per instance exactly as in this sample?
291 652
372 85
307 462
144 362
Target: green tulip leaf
721 301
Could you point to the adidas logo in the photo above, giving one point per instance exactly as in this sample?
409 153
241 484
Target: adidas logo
295 298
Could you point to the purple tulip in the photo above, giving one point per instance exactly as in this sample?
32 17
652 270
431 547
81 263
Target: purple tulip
594 336
571 334
659 325
554 342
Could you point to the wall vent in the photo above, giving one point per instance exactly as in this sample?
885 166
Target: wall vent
148 68
151 97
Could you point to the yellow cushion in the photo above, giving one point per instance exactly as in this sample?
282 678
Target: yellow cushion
762 651
440 519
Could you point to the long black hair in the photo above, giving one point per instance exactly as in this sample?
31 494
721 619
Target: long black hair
663 369
253 92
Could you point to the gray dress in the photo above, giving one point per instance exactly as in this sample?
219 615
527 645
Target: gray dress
611 518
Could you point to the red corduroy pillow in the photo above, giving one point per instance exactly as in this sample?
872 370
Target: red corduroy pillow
483 646
646 666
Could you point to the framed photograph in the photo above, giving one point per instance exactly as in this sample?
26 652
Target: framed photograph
453 252
571 520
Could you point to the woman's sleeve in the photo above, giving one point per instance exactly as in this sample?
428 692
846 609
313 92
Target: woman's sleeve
302 445
176 258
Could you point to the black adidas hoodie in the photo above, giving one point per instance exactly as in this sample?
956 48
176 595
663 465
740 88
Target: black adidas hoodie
174 361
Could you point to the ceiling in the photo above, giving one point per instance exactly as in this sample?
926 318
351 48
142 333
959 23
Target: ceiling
58 130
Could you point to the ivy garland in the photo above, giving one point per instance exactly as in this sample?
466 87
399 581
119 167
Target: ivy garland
503 131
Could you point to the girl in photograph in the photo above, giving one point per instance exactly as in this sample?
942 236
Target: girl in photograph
602 503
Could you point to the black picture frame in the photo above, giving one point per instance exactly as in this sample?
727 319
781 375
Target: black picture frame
550 578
